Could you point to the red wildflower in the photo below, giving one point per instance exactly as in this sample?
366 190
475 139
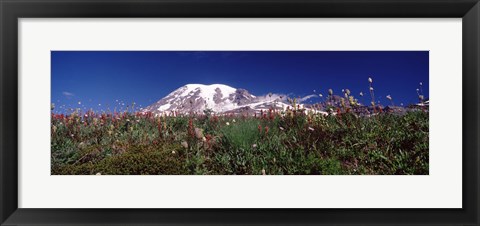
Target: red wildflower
270 114
208 137
214 119
191 130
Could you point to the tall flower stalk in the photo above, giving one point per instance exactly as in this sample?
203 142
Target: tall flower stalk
420 93
372 93
391 100
330 97
361 96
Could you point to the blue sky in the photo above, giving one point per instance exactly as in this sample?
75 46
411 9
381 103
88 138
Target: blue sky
108 79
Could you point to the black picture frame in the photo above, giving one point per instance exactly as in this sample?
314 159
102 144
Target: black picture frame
12 10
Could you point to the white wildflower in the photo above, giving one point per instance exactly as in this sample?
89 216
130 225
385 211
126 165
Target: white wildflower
264 172
311 129
184 144
370 80
199 133
227 123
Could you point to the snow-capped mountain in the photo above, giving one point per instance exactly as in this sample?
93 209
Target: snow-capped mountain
218 97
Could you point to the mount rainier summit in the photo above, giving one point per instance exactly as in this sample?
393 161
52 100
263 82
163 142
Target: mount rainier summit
195 98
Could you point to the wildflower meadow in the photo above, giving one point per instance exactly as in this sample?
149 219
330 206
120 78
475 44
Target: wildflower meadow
295 141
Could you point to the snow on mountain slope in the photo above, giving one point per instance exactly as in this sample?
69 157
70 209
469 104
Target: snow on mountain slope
195 98
198 97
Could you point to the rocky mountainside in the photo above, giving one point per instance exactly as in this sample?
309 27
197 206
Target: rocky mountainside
195 98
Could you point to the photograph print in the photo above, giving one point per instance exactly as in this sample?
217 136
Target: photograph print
239 113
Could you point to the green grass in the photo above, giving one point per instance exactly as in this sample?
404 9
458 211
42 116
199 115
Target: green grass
296 143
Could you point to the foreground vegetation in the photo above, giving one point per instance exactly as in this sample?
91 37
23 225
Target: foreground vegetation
290 142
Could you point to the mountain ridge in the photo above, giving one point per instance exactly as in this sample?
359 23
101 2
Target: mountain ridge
220 98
